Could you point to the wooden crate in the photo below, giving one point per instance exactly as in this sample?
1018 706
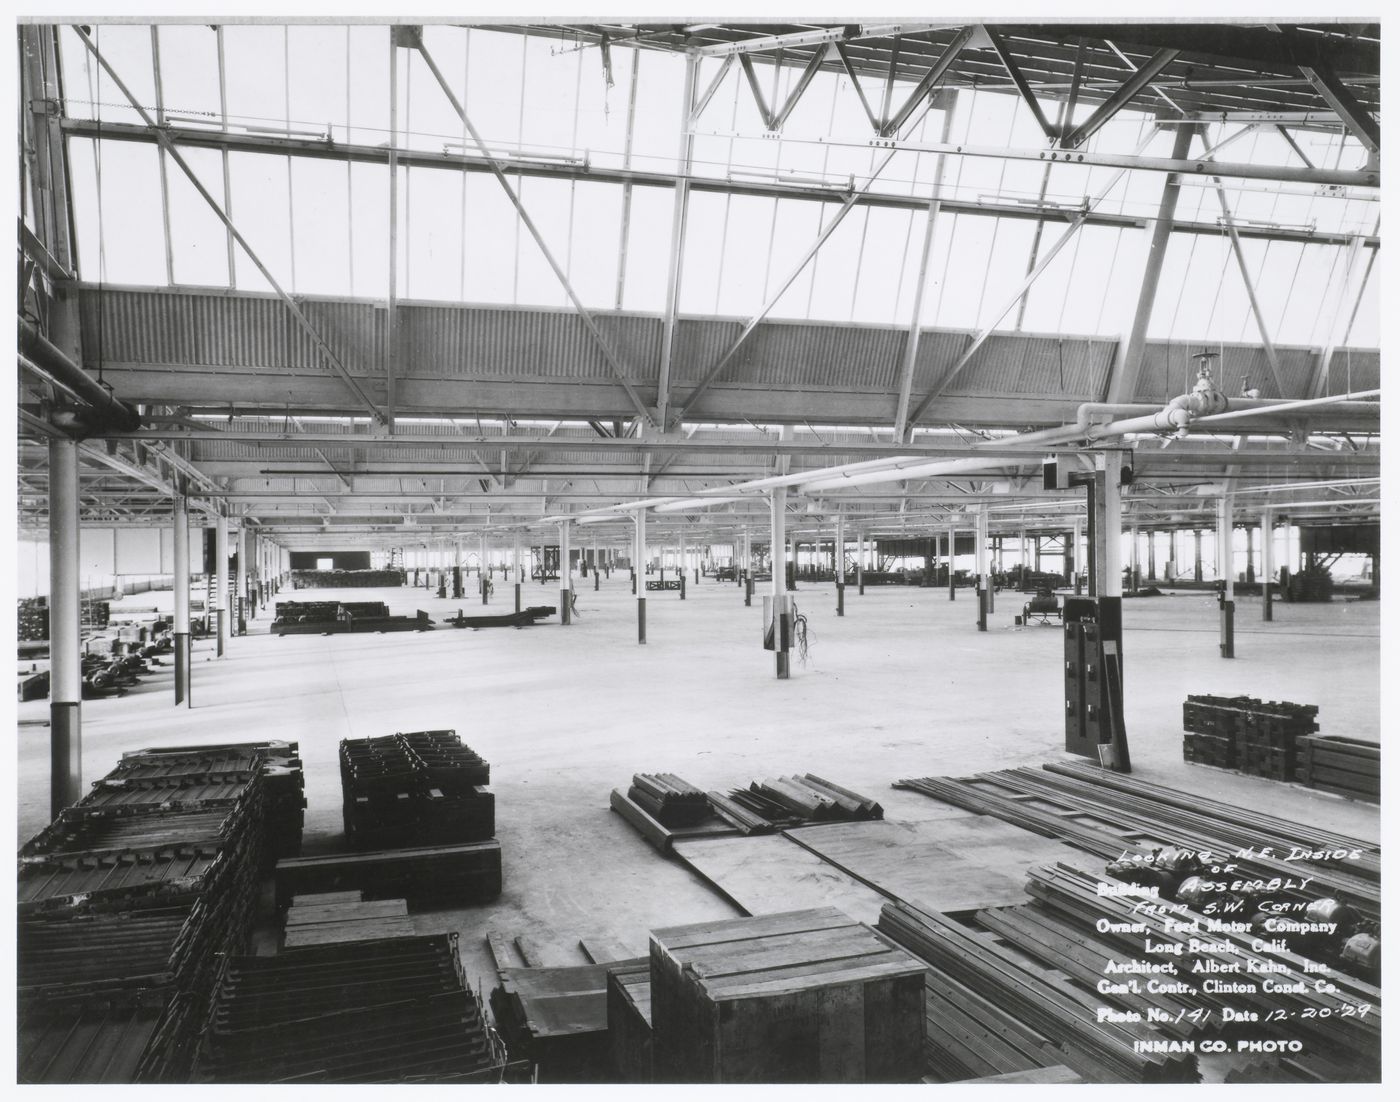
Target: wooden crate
801 997
629 1022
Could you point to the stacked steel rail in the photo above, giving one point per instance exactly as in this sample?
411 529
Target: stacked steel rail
1103 822
125 907
1346 766
1044 1002
388 1011
1337 1022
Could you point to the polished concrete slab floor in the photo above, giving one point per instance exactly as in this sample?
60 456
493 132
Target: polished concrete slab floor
903 685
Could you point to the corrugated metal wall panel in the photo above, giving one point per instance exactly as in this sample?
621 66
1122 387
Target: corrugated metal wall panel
465 342
252 332
1036 365
790 354
1354 369
1168 369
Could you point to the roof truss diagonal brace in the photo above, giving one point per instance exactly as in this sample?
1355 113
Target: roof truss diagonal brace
1018 78
1270 354
933 76
746 63
1119 99
169 146
614 364
1031 277
855 84
1338 96
753 323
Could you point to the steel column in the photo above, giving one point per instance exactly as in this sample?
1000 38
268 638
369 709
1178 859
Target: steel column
221 582
639 574
180 519
65 628
840 565
1225 572
778 529
566 588
1266 561
515 567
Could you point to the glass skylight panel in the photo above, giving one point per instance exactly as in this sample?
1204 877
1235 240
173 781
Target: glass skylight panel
189 73
593 249
704 247
198 240
548 204
255 74
741 280
433 231
648 245
368 230
121 238
261 211
127 49
795 226
367 85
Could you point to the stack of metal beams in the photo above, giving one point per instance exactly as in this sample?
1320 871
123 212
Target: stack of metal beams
669 799
389 1011
1033 996
416 788
1104 814
1246 734
1337 1022
1346 766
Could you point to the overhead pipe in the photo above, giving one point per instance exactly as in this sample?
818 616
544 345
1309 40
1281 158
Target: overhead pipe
51 363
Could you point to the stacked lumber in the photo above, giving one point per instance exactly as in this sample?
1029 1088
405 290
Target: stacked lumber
1243 733
1346 766
1044 1000
416 788
807 996
392 1010
669 799
1329 1019
1104 822
469 873
333 918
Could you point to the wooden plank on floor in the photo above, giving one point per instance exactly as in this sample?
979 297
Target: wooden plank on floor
529 952
332 933
603 950
323 899
346 912
502 952
955 864
769 874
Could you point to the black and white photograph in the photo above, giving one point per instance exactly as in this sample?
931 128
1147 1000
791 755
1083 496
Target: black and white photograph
671 551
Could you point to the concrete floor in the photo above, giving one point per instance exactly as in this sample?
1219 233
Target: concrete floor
904 685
